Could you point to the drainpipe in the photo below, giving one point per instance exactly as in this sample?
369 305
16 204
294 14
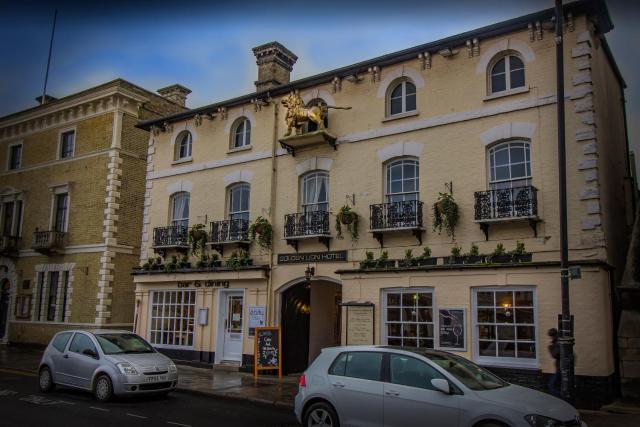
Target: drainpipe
566 339
272 211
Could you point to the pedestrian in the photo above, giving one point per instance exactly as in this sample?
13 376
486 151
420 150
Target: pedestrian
554 349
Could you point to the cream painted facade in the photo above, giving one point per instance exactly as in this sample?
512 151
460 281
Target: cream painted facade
79 173
456 122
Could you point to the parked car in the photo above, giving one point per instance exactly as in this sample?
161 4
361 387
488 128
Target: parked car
107 363
400 387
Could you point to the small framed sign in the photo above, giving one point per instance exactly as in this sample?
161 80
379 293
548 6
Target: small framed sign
267 350
452 329
360 323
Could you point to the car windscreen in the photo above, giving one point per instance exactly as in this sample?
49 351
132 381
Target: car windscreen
468 373
123 344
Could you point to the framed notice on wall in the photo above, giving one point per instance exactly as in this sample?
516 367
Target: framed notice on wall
267 350
359 323
452 329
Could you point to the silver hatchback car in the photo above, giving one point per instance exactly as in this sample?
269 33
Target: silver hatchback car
107 363
397 387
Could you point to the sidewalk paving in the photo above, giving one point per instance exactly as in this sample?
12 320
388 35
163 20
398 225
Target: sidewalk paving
267 390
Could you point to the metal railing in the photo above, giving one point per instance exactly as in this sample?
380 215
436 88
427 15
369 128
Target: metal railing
230 230
389 216
517 202
303 224
49 239
171 236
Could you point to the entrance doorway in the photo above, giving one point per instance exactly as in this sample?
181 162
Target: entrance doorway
5 287
230 325
310 320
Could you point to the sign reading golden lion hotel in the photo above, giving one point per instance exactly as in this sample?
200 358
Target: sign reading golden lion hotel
476 111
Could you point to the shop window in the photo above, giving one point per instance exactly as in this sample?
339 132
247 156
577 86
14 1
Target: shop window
183 146
67 144
505 326
401 98
172 318
408 318
241 133
507 73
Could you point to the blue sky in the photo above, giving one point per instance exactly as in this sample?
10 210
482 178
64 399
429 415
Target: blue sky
206 45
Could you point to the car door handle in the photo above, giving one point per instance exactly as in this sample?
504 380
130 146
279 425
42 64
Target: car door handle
392 393
66 356
338 385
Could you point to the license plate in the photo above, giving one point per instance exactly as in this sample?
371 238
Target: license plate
156 378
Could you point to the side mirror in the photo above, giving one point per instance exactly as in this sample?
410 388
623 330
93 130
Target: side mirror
90 353
441 385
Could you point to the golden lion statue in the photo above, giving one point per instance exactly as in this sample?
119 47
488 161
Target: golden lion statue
297 113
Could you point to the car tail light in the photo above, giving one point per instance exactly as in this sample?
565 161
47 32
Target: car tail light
303 381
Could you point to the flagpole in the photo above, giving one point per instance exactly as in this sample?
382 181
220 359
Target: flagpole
46 74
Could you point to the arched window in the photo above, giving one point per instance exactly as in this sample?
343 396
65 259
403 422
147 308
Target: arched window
183 145
401 98
180 209
510 165
315 191
318 102
241 133
402 182
238 208
507 73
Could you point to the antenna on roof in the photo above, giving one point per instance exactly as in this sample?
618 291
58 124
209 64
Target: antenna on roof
46 74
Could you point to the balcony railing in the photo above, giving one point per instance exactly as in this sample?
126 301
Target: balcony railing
172 236
50 240
9 245
508 203
306 224
396 215
229 231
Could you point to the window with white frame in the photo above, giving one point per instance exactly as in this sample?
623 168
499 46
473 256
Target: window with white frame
241 134
505 325
15 156
60 212
408 317
402 182
315 191
401 98
51 294
180 209
510 165
172 318
67 144
239 201
52 297
507 73
183 145
10 217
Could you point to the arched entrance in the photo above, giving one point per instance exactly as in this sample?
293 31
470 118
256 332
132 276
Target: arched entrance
5 296
310 320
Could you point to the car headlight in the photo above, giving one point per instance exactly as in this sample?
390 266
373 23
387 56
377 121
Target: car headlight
126 368
172 368
540 421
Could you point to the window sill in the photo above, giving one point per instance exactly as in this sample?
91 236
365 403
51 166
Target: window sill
505 93
180 161
235 150
401 116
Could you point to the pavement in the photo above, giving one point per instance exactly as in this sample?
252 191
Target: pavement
266 392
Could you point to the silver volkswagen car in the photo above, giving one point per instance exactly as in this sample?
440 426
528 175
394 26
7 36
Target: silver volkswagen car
107 363
396 387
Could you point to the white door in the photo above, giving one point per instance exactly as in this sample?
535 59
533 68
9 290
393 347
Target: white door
232 345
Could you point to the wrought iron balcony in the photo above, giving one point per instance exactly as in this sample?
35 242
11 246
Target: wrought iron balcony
171 237
48 241
304 225
396 216
508 204
9 245
230 231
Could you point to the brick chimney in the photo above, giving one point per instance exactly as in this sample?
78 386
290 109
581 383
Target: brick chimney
176 93
275 63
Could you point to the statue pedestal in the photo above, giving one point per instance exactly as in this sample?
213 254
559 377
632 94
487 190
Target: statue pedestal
295 142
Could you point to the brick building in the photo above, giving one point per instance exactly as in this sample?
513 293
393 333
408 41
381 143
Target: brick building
72 177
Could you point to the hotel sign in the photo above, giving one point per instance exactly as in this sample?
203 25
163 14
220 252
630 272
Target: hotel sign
204 284
308 257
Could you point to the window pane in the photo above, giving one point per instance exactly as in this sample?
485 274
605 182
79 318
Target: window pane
485 299
506 333
524 299
487 348
339 365
425 315
396 106
517 79
409 314
393 299
504 299
527 350
425 331
364 365
397 91
526 333
393 314
486 315
515 62
487 332
407 371
499 67
410 88
504 315
408 299
518 171
409 330
411 102
394 330
498 83
506 349
524 315
424 299
501 156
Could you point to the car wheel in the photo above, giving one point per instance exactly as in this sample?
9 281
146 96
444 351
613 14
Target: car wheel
45 380
321 415
103 389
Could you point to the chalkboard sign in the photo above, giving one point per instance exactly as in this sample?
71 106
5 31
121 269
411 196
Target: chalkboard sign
267 350
451 329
